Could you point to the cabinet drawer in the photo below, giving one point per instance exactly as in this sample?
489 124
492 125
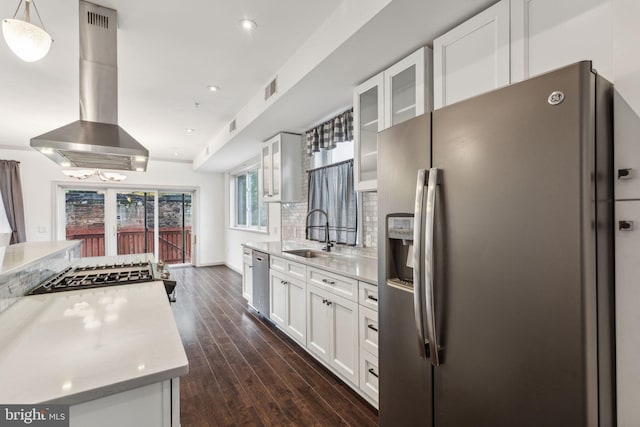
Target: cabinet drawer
247 256
339 285
368 295
368 330
290 268
369 375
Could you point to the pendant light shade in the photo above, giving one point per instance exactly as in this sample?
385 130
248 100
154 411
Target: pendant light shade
28 41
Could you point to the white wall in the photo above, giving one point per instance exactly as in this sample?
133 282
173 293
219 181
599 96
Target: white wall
38 173
626 27
234 237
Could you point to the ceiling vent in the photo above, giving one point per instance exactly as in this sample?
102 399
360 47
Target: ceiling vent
232 126
271 88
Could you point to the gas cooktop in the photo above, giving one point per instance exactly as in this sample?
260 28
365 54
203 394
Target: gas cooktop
96 276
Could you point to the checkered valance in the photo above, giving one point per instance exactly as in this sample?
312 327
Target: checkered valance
331 132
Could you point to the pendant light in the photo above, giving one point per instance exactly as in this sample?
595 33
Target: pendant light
28 41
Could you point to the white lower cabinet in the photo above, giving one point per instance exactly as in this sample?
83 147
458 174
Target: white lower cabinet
627 245
368 338
332 331
247 275
288 308
369 374
153 405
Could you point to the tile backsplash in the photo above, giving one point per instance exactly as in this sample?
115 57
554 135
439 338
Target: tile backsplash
294 216
15 285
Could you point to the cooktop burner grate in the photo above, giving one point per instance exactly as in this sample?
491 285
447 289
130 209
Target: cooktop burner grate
96 276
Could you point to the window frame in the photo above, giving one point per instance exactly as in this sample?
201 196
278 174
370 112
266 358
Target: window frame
263 208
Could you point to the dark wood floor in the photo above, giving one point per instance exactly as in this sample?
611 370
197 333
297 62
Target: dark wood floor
243 371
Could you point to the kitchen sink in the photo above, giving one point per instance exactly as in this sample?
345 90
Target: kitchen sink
307 253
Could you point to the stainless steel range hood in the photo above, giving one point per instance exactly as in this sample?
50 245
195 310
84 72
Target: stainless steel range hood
95 141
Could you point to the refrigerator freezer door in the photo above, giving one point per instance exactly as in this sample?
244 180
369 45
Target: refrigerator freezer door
518 254
405 378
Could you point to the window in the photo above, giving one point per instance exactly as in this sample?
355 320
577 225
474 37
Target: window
250 211
343 151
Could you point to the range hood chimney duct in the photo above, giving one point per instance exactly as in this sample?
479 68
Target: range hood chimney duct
95 141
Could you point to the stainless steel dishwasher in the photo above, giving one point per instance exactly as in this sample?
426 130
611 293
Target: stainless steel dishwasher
261 282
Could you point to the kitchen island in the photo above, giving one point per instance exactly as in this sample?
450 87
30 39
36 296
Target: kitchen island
113 353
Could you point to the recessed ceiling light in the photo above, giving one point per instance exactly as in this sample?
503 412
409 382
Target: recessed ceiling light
248 24
213 88
189 130
175 153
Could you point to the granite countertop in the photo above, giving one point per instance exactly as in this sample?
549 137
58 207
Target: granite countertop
355 266
16 257
72 347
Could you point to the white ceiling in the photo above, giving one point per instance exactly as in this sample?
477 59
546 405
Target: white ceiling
170 51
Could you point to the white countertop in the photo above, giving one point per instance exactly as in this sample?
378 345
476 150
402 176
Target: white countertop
71 347
354 266
16 257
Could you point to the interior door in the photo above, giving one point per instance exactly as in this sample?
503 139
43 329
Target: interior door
516 284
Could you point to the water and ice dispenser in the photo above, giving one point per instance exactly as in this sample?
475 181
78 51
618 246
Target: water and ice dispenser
399 242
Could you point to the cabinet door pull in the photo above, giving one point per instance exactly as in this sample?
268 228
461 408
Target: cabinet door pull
328 282
372 298
283 282
372 372
625 225
624 173
259 259
373 328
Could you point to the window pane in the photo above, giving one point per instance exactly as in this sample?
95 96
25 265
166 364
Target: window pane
252 185
241 200
134 233
174 218
84 212
264 214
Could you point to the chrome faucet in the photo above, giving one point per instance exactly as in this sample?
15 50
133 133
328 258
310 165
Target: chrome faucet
327 244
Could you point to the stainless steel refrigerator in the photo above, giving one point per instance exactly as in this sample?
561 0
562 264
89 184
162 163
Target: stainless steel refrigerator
496 259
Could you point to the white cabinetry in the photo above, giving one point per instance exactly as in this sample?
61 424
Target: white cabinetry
627 242
281 168
397 94
247 275
546 35
287 298
517 39
153 405
472 58
332 331
627 151
368 338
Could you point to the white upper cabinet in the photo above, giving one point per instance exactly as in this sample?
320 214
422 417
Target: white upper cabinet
472 58
626 158
281 168
368 120
546 35
399 93
517 39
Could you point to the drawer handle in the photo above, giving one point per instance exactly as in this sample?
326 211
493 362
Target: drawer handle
372 372
328 282
372 298
373 328
283 282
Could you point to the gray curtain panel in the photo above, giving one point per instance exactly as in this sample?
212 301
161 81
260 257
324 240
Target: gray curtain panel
331 189
11 188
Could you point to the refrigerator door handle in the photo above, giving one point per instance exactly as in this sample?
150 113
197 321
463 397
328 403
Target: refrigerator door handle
417 262
434 174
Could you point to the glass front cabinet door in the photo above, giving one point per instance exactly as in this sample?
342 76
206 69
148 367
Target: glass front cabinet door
399 93
281 165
